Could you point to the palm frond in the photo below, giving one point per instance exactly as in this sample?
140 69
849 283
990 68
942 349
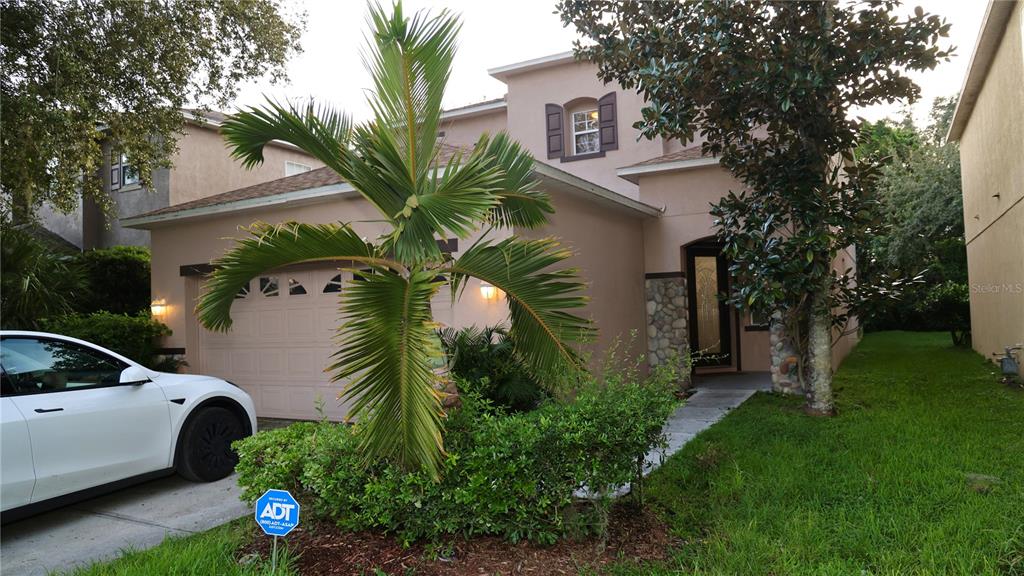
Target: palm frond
387 351
410 61
269 247
520 204
539 298
319 129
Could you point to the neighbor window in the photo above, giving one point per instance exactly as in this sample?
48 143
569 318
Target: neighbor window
129 173
293 168
585 138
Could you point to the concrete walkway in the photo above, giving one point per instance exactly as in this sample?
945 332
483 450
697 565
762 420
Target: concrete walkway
99 529
715 396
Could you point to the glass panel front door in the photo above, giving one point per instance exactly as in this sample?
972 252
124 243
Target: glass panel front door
705 282
708 282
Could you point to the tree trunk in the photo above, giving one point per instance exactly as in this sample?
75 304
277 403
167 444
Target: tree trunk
819 393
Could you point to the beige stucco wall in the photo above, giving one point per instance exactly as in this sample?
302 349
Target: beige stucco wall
529 92
992 163
201 241
608 248
465 131
686 197
203 166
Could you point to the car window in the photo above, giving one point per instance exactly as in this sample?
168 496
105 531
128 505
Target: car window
36 365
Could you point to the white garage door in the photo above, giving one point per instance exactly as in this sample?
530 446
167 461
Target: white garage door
280 343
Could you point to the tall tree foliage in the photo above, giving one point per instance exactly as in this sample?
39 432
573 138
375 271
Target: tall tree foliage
921 231
388 347
771 87
77 72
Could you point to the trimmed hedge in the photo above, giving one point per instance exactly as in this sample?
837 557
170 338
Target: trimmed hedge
118 279
507 475
130 336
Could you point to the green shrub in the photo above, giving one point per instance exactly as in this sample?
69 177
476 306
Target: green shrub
118 279
507 475
130 336
35 280
484 362
947 306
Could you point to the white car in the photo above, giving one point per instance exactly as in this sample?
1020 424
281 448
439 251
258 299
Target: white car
78 420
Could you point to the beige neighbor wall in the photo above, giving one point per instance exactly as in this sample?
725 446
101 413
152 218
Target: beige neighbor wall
992 171
608 251
530 91
203 166
686 197
201 241
465 131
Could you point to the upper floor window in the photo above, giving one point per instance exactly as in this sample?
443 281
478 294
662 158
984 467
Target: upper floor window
293 168
590 124
129 173
585 138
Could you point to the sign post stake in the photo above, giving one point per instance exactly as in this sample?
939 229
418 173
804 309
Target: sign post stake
273 561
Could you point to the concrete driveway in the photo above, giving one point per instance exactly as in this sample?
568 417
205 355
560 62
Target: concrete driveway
99 529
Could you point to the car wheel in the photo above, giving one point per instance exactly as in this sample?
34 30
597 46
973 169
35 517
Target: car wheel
206 454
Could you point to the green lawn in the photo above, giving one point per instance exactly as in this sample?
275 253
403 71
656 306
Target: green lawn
879 489
211 552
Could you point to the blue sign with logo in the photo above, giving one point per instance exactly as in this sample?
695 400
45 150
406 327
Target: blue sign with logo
277 512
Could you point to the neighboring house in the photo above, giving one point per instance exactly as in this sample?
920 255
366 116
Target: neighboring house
635 212
989 124
202 167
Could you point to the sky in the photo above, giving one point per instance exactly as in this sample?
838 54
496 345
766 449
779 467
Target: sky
495 33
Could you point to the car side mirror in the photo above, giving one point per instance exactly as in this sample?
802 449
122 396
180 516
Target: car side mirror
133 375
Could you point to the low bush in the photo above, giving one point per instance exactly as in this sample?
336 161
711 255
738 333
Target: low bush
36 281
483 361
118 279
507 475
130 336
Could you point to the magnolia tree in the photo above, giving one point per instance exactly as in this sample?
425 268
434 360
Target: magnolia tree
771 88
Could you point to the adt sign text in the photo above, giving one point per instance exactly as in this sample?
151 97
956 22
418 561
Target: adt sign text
277 512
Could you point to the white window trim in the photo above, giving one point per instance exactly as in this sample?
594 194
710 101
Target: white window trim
299 168
575 133
124 181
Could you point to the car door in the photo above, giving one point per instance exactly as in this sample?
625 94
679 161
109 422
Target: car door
86 428
16 473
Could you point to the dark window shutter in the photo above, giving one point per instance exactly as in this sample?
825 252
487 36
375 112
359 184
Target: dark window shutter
606 122
115 170
553 125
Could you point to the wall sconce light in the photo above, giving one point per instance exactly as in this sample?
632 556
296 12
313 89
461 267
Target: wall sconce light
487 291
158 308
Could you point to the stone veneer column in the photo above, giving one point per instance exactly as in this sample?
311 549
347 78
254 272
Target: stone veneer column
666 320
785 360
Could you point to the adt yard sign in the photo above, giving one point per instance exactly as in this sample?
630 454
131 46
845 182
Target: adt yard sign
277 512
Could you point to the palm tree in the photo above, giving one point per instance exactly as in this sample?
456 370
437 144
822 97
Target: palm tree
387 348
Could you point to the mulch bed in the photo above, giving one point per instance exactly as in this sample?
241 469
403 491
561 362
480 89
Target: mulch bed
633 535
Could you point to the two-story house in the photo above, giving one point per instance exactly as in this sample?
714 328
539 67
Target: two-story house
636 213
201 167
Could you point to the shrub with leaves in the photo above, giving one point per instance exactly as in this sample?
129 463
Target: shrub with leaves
483 360
134 337
118 279
512 476
37 281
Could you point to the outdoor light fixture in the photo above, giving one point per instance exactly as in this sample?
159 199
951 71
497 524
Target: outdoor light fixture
158 308
488 291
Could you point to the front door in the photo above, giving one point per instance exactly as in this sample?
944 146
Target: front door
708 283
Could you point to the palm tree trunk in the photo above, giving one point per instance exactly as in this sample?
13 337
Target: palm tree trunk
819 401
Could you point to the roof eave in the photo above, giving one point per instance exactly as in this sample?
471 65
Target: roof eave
504 72
633 173
472 111
990 36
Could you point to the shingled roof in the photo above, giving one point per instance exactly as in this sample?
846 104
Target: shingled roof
691 153
312 179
